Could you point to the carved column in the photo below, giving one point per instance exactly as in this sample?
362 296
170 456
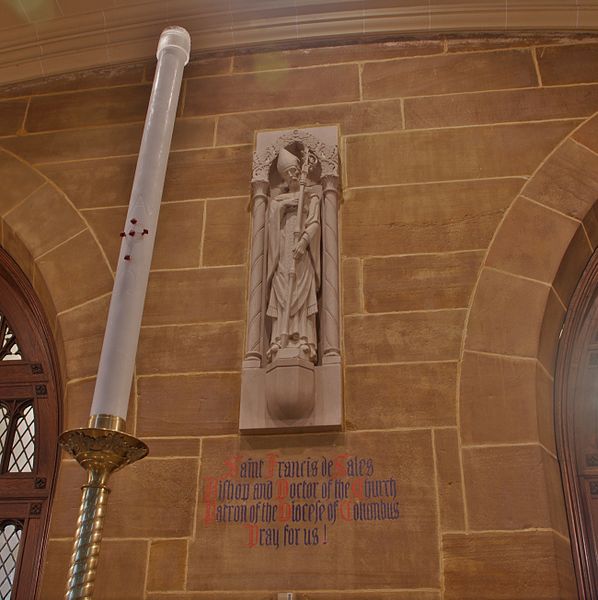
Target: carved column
329 319
255 312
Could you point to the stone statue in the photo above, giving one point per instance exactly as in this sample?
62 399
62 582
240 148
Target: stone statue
294 264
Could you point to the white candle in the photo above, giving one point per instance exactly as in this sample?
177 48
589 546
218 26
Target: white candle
117 361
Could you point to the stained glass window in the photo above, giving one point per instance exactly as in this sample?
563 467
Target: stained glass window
10 538
9 347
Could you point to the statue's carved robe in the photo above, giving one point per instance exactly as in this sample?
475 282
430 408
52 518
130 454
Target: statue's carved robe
282 221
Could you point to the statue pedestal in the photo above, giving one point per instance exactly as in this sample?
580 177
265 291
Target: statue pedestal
291 395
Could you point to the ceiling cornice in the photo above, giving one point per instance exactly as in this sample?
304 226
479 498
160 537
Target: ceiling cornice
129 32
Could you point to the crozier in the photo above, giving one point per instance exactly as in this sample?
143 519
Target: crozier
291 377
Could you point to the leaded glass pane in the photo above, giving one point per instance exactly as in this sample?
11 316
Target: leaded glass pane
4 423
10 536
9 347
23 446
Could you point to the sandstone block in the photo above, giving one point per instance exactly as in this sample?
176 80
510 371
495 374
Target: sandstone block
12 113
449 154
407 395
167 565
399 337
531 241
438 217
505 106
450 493
506 315
507 566
449 73
44 220
207 404
560 65
226 220
18 181
90 107
271 89
190 348
430 281
351 286
79 260
567 181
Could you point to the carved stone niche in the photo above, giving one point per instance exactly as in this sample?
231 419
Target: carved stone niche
292 373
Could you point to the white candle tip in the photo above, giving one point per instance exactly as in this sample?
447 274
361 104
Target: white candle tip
175 37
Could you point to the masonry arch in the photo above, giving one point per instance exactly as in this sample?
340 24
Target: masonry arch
506 398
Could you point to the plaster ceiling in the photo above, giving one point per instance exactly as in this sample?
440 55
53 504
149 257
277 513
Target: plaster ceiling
44 37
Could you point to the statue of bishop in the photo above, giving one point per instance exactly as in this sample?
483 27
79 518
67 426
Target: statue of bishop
294 260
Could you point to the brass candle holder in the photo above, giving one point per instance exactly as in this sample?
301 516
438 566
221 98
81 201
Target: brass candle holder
101 448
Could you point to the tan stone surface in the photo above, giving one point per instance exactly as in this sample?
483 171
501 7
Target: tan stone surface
93 183
18 251
507 566
195 296
505 487
206 404
152 498
586 134
552 325
190 348
193 133
410 337
92 78
83 332
177 242
171 447
18 181
412 564
167 565
288 59
448 469
354 117
44 220
506 315
408 395
568 64
78 260
12 113
209 173
567 181
121 570
76 144
430 281
259 595
501 106
201 67
531 241
273 89
572 265
351 270
449 73
416 156
545 410
497 401
425 218
90 107
46 298
226 232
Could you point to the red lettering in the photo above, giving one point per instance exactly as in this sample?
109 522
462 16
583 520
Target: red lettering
282 489
210 516
340 465
284 512
232 465
357 487
345 510
253 531
210 489
272 462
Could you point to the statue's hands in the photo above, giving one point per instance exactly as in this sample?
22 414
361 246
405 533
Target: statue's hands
299 249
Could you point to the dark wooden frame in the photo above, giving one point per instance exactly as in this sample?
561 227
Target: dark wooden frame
27 497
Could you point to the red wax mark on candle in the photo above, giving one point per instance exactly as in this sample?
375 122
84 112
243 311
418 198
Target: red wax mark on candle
127 257
134 221
144 232
122 234
132 232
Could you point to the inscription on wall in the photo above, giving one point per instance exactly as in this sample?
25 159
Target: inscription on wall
291 503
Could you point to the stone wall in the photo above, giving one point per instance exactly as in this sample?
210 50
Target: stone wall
469 180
